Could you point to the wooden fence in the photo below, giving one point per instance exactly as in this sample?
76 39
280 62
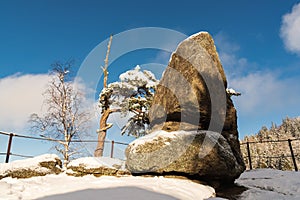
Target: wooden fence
8 153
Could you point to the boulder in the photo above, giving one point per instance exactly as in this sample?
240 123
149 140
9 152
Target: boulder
180 153
37 166
191 96
101 166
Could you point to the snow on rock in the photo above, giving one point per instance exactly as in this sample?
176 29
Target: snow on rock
37 166
205 154
164 135
105 187
97 166
270 184
92 162
232 92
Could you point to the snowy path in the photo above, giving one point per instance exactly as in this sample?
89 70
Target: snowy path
61 186
270 184
263 184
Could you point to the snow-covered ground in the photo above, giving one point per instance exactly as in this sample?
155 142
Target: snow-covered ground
63 186
262 184
105 188
270 184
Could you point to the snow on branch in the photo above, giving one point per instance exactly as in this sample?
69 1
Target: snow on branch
132 93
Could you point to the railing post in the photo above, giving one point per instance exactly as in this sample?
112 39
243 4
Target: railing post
249 156
112 149
9 147
292 154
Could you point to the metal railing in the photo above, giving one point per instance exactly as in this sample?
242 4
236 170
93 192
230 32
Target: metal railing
252 150
12 135
249 150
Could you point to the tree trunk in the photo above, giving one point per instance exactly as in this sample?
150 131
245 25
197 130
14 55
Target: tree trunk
66 154
102 133
103 126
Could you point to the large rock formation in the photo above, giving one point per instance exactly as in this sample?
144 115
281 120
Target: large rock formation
190 97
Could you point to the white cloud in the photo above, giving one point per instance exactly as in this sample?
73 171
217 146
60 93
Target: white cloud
21 95
228 52
290 30
224 44
265 93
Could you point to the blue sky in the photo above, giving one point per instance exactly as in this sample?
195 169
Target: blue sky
258 46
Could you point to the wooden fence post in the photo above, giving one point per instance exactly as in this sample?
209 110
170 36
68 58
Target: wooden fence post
112 149
292 154
9 147
249 156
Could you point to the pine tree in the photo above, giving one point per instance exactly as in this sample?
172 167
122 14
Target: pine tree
133 93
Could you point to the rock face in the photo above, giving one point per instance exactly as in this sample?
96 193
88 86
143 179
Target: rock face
191 96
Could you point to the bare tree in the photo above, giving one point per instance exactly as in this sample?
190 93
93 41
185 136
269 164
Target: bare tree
106 111
65 117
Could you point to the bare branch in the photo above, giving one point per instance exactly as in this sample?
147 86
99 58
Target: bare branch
105 72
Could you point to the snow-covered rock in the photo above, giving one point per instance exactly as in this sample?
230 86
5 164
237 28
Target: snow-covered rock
37 166
204 154
97 166
232 92
191 95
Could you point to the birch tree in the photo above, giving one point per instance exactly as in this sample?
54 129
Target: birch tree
66 117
